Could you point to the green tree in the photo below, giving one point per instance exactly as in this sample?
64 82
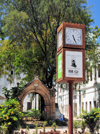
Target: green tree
13 93
31 26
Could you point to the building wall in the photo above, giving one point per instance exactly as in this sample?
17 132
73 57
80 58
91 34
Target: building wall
86 96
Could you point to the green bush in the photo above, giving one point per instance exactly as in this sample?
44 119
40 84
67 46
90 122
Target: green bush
44 125
75 125
36 127
91 118
11 115
54 126
50 122
35 114
60 123
97 128
4 129
83 125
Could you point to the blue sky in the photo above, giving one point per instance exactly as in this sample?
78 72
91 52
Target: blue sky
95 12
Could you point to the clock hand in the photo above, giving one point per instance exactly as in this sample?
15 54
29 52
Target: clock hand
74 38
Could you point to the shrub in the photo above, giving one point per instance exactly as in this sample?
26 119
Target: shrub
4 128
11 115
33 113
54 126
50 122
83 125
36 127
60 123
44 125
91 118
75 125
97 128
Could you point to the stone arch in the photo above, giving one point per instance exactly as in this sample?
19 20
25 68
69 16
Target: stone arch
48 95
34 90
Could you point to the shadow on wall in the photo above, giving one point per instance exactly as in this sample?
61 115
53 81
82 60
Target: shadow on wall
58 115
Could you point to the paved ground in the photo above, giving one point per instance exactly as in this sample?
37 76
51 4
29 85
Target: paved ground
60 128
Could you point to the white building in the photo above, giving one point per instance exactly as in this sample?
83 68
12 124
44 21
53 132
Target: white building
85 96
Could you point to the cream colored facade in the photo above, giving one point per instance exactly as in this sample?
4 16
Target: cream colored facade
86 97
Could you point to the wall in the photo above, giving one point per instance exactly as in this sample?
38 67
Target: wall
87 96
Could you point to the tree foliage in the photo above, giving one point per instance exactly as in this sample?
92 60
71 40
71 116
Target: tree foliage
91 118
13 93
31 28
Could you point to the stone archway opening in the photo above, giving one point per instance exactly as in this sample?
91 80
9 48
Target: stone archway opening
34 101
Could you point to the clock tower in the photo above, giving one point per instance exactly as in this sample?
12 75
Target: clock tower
70 59
70 52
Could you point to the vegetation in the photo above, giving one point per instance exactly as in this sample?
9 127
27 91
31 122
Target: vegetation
44 125
54 126
83 125
50 122
27 129
4 129
31 29
34 114
91 118
10 115
36 127
60 123
13 93
75 125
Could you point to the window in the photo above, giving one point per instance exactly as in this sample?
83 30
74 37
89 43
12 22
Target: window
74 96
99 70
86 106
90 106
82 105
87 76
75 109
90 73
29 104
94 104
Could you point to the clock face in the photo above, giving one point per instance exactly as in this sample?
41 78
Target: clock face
73 36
